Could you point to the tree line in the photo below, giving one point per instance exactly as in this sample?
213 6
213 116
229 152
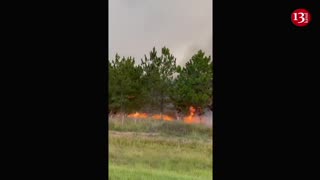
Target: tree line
158 83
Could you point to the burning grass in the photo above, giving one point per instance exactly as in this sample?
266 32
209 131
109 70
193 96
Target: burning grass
192 118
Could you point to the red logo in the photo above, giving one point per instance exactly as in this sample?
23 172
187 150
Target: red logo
300 17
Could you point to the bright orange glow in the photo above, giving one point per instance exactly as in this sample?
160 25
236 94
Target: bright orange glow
138 115
164 117
145 115
191 118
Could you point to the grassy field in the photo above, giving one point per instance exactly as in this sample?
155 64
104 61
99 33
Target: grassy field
158 150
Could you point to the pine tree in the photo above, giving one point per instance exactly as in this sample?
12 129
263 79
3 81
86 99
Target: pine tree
193 86
125 85
158 76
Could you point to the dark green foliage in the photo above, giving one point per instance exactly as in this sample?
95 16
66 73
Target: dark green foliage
193 85
124 85
151 86
158 77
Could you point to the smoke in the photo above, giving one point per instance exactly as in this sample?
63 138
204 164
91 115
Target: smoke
208 117
136 26
184 53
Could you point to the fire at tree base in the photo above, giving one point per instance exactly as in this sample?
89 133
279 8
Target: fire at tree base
192 118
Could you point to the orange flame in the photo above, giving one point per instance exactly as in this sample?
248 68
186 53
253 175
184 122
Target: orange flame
138 115
156 116
164 117
191 118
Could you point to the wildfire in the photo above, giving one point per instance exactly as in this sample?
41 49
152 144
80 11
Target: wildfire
191 118
138 115
164 117
145 115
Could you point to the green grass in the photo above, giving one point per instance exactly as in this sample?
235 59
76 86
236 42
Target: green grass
140 173
151 150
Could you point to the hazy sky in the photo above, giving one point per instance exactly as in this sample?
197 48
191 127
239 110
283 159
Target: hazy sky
136 26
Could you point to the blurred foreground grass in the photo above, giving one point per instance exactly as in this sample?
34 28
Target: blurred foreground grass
159 150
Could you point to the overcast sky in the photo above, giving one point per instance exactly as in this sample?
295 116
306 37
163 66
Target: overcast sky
184 26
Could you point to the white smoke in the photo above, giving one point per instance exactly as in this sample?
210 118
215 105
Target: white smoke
208 117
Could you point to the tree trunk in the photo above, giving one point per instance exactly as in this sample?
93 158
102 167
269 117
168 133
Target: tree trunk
122 108
199 113
161 105
122 120
110 114
151 101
